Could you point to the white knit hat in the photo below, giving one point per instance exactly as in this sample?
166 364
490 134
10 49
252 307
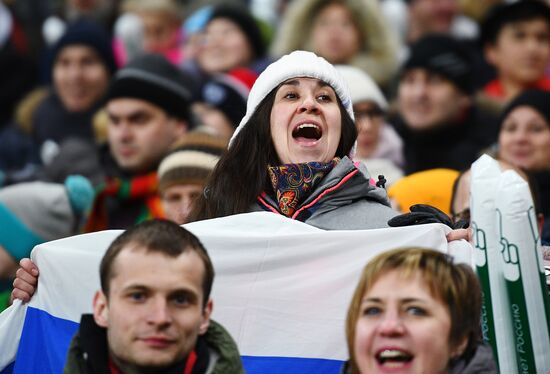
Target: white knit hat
361 86
295 64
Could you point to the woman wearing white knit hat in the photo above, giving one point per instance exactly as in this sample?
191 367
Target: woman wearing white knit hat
291 153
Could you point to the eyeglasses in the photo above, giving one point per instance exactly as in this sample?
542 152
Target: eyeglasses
372 114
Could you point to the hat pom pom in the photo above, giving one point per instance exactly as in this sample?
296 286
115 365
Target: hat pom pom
80 192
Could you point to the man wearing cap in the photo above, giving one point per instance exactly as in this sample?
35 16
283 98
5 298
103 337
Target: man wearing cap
81 64
437 118
148 111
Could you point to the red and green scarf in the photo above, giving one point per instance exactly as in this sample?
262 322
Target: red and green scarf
138 188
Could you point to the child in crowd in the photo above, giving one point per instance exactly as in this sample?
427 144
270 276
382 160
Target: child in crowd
516 41
183 173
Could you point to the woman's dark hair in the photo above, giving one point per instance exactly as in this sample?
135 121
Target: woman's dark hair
241 174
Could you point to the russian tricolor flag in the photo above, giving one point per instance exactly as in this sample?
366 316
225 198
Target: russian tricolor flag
282 289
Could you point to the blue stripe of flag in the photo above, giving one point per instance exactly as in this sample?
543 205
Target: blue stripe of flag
45 341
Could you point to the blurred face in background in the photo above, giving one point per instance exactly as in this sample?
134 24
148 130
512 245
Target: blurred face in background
214 120
522 51
140 133
427 100
524 139
225 47
369 119
160 31
335 35
178 201
80 77
433 16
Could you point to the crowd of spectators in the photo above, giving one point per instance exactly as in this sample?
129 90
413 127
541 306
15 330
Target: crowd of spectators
141 98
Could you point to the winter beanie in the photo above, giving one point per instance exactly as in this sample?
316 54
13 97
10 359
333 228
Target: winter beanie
443 55
228 93
539 100
296 64
150 77
361 86
246 22
87 32
507 13
191 161
36 212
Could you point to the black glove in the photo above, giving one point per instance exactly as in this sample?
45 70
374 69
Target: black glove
421 214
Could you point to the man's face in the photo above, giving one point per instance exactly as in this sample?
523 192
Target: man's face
427 100
79 77
140 133
154 310
522 51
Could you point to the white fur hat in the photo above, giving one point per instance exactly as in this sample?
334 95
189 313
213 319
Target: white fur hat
361 86
295 64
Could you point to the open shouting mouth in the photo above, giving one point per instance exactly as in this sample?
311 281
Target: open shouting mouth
393 358
307 132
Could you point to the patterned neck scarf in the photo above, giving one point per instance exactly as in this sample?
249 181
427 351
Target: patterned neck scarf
292 183
143 187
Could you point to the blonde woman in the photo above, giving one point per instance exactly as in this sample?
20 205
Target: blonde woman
415 311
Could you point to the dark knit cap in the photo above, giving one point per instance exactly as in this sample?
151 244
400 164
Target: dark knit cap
246 22
503 14
443 55
229 92
539 100
87 32
150 77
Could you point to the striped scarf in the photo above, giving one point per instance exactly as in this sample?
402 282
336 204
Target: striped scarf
143 188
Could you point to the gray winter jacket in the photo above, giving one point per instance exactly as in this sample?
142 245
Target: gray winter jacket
344 200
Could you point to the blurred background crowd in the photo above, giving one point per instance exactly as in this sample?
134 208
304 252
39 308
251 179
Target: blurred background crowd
140 97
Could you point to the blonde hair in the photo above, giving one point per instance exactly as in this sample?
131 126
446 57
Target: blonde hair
456 285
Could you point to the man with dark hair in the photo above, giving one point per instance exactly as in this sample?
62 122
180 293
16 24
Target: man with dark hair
437 119
152 314
516 41
148 110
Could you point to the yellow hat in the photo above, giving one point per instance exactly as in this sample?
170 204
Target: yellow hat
433 187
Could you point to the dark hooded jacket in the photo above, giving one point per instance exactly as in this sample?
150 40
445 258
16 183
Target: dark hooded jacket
452 146
88 353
